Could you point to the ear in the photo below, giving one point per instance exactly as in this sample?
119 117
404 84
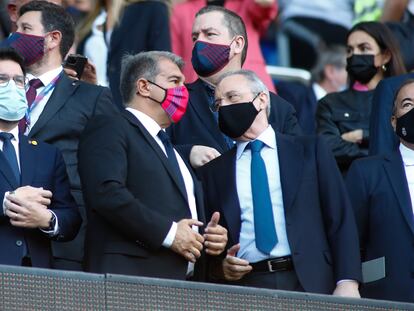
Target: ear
328 72
263 101
142 87
386 57
56 39
394 122
12 10
238 44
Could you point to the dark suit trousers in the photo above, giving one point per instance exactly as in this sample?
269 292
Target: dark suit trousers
283 280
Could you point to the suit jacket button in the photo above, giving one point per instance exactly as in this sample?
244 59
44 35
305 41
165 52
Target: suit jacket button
19 243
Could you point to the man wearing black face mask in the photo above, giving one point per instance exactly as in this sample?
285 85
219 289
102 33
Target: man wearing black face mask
282 201
382 193
220 45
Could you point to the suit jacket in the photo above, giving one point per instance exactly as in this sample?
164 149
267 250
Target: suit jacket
320 226
70 107
132 204
144 26
383 209
41 166
198 126
383 138
303 99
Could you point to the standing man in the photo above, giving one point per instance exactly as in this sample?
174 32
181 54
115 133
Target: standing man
37 205
282 200
145 208
59 107
220 35
381 189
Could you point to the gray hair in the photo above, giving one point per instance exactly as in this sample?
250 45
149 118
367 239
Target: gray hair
142 65
334 55
256 85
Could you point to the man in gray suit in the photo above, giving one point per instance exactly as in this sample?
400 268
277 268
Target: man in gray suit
59 108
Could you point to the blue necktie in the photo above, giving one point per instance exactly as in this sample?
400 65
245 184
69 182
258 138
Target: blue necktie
10 154
264 226
172 158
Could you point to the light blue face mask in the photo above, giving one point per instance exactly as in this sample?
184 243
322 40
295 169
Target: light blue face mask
13 103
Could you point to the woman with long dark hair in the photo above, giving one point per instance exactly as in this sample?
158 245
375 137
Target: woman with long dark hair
343 117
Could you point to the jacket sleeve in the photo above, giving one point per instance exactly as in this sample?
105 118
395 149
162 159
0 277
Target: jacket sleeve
329 130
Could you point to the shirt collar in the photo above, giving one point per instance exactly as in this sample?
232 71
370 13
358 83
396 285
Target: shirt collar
319 91
268 137
149 123
47 77
407 155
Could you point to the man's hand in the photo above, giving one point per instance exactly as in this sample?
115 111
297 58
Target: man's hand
32 194
187 242
347 288
88 75
235 268
215 236
354 136
26 214
200 155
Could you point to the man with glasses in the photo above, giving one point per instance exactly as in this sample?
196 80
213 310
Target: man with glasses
37 205
290 224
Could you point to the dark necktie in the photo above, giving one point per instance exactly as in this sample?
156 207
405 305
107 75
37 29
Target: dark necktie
10 154
264 225
172 158
34 84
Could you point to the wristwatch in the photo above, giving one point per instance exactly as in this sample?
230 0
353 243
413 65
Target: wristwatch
52 223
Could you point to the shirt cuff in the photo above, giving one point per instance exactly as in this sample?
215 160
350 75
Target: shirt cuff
345 280
55 230
4 206
169 239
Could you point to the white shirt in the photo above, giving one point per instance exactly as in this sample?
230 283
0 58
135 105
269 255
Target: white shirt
153 128
96 49
319 91
269 154
15 143
46 78
408 160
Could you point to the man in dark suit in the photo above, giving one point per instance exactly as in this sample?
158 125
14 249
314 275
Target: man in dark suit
382 138
59 107
282 200
381 189
144 208
215 28
37 205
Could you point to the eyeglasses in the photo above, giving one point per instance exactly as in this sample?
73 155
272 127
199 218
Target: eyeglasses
232 98
20 81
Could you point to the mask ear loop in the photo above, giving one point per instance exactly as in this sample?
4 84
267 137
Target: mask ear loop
164 89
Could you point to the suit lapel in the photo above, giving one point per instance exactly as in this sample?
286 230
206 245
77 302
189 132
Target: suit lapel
230 199
62 92
291 160
394 168
161 155
27 160
199 100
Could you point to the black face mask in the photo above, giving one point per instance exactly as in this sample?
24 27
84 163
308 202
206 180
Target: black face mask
405 127
234 120
361 67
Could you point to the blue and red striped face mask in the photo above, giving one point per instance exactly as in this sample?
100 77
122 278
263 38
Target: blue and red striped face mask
175 101
209 58
30 47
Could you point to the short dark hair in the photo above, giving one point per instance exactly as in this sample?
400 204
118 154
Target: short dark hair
403 84
233 23
54 17
142 65
8 53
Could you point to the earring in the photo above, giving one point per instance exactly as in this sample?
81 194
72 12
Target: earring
384 68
